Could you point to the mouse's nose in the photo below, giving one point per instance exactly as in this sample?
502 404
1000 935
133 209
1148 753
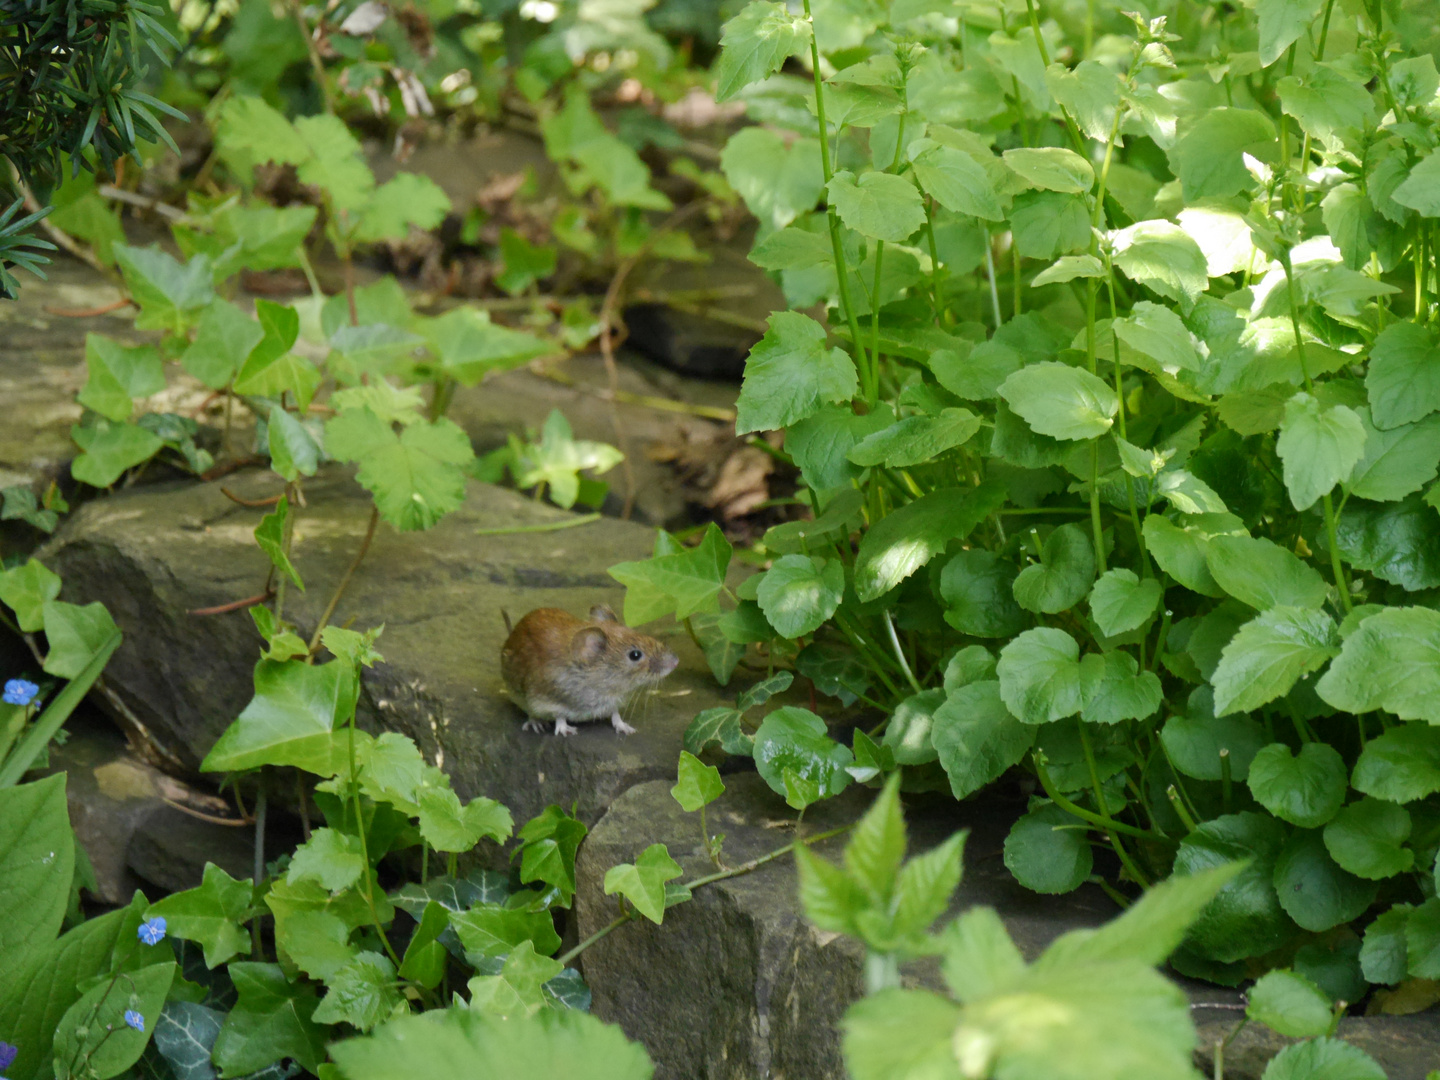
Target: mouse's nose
667 663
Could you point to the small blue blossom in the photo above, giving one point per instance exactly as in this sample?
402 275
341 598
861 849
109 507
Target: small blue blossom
134 1020
152 931
8 1054
19 692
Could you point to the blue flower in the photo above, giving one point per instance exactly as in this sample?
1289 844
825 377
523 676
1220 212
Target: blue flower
19 692
8 1054
152 931
134 1020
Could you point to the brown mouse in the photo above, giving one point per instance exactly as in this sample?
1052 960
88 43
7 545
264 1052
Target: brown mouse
565 669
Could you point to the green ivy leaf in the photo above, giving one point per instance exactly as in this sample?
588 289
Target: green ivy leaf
525 263
643 882
754 44
1400 765
362 994
1305 789
559 458
212 914
329 858
1391 662
1061 401
976 738
697 784
224 337
1268 655
799 593
334 161
425 958
904 541
795 738
1046 852
407 200
492 930
1318 446
519 988
1062 576
416 477
879 205
1290 1004
1040 675
448 826
1402 378
108 449
26 589
718 726
293 450
295 718
1366 839
170 294
76 635
469 346
185 1036
1121 601
270 535
684 582
549 842
790 374
117 375
270 1021
271 369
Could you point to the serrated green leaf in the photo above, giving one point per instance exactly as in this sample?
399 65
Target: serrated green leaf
1208 158
1366 839
1163 257
1113 688
1400 765
898 545
1318 446
879 205
955 180
790 374
1305 789
799 593
1268 655
754 44
1290 1004
1121 601
1403 376
1062 576
416 477
1046 852
1391 662
408 200
1061 401
1051 168
1039 674
1420 191
796 739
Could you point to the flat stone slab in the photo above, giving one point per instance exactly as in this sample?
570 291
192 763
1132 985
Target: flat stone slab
736 984
153 554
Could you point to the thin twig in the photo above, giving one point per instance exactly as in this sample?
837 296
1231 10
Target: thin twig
273 500
225 468
131 198
649 401
344 581
232 822
549 526
234 605
89 313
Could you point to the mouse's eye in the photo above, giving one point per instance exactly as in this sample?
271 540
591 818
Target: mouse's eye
636 656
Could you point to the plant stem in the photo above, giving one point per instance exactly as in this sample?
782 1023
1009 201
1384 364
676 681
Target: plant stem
360 828
990 275
344 581
721 875
1100 822
837 245
899 652
549 526
1095 785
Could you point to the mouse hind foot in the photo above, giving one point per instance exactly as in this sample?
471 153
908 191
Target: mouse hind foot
534 725
620 725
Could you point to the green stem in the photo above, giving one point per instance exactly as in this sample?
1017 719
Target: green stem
344 581
872 390
899 652
990 275
837 245
1095 785
1099 821
549 526
369 890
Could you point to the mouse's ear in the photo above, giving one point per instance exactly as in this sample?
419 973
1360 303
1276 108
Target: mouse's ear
603 613
589 644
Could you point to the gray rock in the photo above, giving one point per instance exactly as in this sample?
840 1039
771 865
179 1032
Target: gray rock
133 837
154 554
735 983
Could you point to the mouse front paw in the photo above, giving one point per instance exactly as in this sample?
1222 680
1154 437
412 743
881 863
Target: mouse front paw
564 728
532 725
620 725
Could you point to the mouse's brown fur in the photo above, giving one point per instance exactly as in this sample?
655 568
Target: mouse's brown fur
561 668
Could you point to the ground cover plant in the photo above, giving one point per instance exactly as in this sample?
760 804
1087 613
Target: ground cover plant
1120 437
1110 381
